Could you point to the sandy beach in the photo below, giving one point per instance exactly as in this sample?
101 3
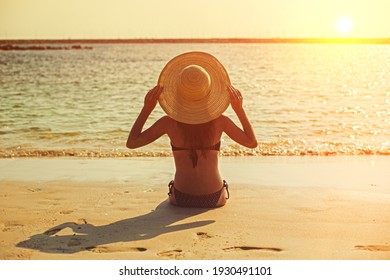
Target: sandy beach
280 208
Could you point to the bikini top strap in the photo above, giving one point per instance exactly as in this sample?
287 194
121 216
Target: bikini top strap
215 147
193 154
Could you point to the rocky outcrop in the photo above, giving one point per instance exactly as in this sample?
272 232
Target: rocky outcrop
10 47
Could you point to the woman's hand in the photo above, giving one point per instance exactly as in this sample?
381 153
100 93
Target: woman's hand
151 98
246 136
137 137
235 98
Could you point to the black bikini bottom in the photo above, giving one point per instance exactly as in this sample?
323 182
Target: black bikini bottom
197 201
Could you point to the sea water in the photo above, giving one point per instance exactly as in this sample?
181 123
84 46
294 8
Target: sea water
302 99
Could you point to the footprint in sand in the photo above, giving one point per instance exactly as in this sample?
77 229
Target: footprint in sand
34 190
81 221
65 212
373 248
203 235
115 249
248 248
11 226
172 254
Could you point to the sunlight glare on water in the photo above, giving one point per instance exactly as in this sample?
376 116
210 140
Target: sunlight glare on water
303 99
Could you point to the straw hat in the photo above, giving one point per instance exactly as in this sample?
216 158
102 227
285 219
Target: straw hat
194 88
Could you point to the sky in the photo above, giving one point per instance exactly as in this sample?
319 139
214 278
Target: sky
113 19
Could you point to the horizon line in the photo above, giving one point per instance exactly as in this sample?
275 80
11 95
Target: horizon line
349 40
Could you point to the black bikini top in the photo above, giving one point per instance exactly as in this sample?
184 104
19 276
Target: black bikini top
193 154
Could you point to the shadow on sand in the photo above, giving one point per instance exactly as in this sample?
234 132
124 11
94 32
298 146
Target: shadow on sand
84 236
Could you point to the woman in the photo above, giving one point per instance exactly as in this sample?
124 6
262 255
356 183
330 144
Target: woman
194 90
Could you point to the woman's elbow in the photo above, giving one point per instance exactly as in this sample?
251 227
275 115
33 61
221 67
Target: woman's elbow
131 144
252 144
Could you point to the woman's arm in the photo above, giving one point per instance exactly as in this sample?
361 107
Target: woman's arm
245 136
137 138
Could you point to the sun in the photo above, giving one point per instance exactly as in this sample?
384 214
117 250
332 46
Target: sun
344 24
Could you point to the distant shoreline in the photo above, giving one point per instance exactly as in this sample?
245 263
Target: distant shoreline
204 40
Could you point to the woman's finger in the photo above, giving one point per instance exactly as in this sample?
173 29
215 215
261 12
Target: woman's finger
235 93
232 90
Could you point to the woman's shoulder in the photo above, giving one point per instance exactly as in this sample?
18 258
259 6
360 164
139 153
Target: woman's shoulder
166 120
224 122
221 120
168 123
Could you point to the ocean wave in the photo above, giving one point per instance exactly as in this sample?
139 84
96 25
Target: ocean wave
286 148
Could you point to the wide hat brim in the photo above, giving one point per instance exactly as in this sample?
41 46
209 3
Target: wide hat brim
200 111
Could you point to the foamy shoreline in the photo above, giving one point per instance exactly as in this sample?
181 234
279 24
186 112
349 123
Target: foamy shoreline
280 208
